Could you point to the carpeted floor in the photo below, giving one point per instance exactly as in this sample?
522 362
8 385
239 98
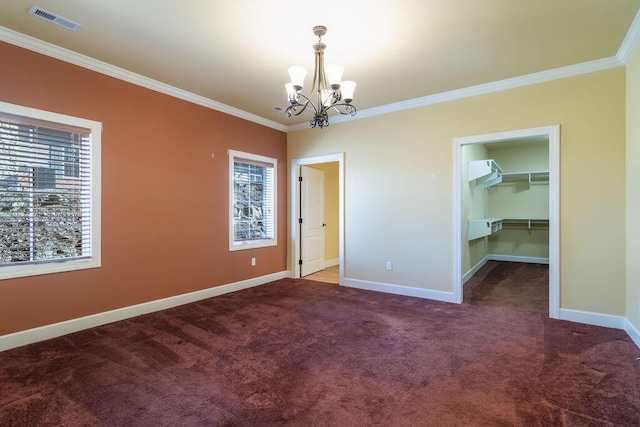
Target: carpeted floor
302 353
510 284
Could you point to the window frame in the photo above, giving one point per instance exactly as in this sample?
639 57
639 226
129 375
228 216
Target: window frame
65 265
238 245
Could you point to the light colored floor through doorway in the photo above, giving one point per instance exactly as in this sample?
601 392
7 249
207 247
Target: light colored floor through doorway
328 275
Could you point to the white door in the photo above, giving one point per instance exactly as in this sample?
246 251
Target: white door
312 217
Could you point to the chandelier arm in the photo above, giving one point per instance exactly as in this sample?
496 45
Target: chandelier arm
292 110
348 109
307 102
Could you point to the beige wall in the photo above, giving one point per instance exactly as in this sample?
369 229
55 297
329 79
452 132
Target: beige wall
527 157
520 241
633 190
399 184
331 249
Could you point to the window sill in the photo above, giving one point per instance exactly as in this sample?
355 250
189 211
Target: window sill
16 271
252 244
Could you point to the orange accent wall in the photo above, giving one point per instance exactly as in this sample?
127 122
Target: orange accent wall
164 198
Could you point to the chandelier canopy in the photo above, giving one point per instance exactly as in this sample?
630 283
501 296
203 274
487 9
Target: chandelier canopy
330 91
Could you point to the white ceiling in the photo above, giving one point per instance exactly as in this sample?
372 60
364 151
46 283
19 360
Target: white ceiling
236 52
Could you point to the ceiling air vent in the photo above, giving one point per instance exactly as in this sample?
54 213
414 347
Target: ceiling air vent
52 17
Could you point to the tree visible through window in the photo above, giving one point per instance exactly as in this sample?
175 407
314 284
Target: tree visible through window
252 200
46 192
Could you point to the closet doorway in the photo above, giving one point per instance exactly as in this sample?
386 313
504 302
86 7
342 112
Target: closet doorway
331 222
507 215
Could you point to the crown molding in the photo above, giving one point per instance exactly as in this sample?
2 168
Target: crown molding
48 49
630 41
57 52
468 92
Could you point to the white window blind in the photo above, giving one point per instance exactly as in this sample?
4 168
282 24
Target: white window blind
45 191
252 200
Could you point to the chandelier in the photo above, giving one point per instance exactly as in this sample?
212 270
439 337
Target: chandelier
331 92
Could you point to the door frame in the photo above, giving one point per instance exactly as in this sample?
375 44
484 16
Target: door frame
294 240
553 135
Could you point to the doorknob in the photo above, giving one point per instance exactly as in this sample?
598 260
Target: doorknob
324 225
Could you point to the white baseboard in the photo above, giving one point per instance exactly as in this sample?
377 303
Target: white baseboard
605 320
469 274
496 257
633 333
515 258
41 333
331 263
590 318
399 290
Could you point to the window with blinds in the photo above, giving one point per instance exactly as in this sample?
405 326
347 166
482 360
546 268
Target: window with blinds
47 187
252 200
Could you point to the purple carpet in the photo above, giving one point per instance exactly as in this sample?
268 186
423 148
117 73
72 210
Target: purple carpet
510 284
301 353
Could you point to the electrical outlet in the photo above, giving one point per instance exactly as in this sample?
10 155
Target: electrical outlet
253 261
389 266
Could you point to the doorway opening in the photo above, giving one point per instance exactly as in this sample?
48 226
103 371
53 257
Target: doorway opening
507 220
317 226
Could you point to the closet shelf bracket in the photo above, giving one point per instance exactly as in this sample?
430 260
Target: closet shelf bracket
485 172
